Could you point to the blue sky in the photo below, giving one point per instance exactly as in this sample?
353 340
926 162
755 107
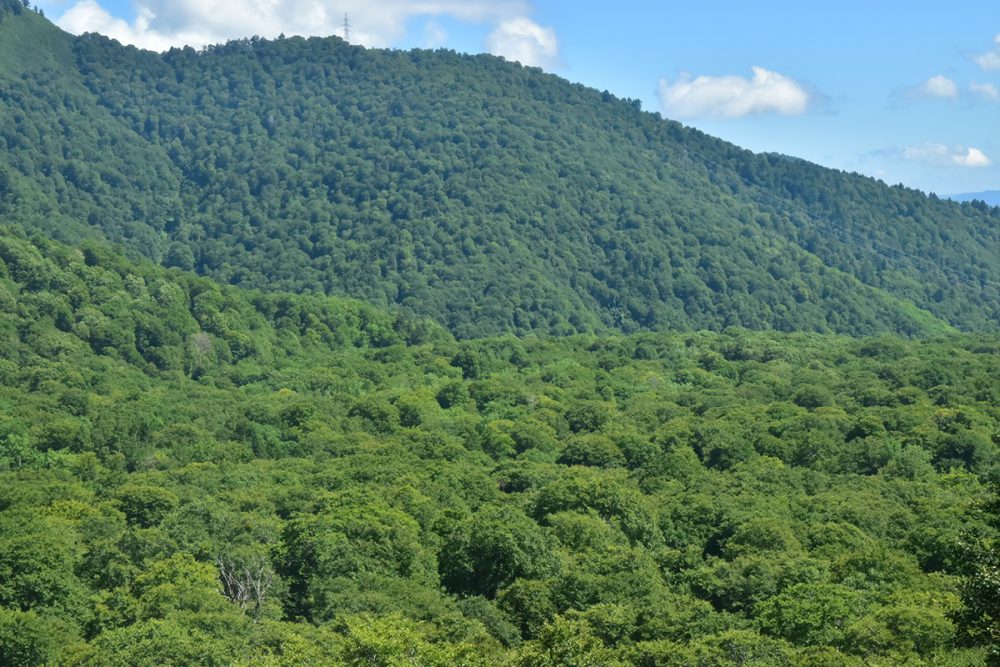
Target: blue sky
908 92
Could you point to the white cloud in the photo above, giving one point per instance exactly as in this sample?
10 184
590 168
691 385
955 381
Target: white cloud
524 41
434 35
952 156
88 16
735 96
164 23
939 86
990 60
986 90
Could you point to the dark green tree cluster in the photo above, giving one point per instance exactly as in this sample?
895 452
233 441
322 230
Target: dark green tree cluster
490 197
196 475
979 618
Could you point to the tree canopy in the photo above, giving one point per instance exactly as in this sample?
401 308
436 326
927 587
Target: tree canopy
490 197
278 384
385 494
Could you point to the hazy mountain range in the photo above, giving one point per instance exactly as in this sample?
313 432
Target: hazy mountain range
991 197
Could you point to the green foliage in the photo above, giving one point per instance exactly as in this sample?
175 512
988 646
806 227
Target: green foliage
145 506
491 549
979 617
592 450
37 557
345 538
157 642
396 642
728 498
490 197
565 643
26 639
665 498
811 614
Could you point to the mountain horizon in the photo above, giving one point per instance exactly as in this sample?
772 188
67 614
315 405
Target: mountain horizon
990 197
313 354
491 197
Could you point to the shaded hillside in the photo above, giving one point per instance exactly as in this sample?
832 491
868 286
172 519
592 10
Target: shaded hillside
60 301
491 197
403 498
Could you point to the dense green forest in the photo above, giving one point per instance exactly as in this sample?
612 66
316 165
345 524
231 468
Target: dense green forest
490 197
280 384
195 474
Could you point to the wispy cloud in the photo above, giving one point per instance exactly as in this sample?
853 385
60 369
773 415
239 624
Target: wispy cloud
946 156
526 42
435 36
989 61
985 90
941 87
735 96
938 86
160 24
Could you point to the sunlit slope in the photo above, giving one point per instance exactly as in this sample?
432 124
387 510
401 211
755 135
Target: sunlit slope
403 498
491 197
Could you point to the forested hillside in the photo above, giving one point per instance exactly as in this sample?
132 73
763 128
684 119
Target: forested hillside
196 475
490 197
210 455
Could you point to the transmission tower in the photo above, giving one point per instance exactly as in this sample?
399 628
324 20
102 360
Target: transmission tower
347 28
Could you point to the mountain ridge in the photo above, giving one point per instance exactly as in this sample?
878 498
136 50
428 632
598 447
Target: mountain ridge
989 197
491 197
198 473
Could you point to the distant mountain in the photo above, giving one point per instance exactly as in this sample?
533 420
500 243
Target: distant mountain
491 197
991 197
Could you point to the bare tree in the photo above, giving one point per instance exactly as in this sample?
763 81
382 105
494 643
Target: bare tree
246 582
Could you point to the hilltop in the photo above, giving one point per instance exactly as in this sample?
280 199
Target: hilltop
491 197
